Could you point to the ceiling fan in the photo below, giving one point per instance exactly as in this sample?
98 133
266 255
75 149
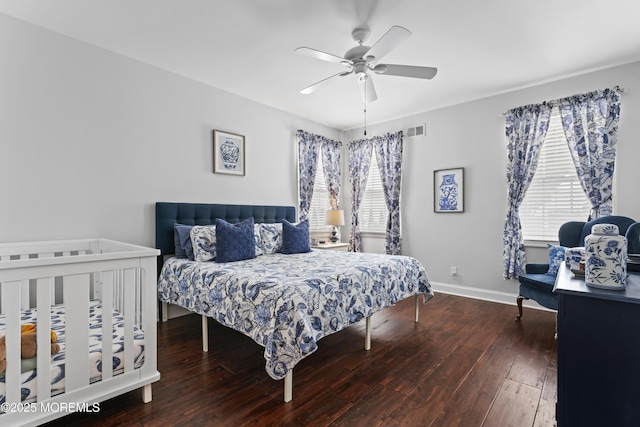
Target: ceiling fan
361 59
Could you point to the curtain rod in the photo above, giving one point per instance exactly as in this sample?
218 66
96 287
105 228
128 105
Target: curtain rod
616 88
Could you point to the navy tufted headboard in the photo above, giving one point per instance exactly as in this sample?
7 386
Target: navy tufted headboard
168 214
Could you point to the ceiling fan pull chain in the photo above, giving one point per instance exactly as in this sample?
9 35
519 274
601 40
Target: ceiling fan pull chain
365 109
365 119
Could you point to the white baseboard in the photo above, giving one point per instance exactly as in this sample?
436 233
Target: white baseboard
484 295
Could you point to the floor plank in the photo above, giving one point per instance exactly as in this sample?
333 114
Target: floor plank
515 405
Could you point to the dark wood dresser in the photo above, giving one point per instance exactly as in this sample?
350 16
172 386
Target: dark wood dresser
598 353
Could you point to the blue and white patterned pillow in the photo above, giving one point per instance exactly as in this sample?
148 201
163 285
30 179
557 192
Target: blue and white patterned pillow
258 239
203 239
235 242
556 257
271 238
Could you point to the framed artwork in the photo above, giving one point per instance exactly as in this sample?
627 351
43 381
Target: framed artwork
228 153
448 190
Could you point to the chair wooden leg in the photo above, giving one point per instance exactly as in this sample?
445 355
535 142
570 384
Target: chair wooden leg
519 302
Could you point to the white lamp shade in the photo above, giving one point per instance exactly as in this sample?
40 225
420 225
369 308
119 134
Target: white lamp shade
334 217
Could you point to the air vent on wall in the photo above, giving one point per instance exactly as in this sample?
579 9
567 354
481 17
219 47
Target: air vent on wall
417 130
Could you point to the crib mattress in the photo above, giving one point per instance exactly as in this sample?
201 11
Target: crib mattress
28 378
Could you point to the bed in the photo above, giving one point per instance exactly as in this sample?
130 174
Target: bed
284 302
99 298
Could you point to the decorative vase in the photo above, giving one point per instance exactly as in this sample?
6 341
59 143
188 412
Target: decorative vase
230 154
606 257
448 193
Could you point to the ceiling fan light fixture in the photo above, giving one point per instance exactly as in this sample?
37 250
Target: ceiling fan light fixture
360 68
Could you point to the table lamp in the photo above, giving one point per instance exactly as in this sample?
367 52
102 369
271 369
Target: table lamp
334 217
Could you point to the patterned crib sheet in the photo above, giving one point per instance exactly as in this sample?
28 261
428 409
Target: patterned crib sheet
28 378
287 303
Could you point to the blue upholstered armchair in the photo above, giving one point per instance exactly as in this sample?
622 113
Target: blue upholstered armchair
537 284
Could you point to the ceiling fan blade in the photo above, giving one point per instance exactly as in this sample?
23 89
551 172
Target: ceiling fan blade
314 53
318 85
406 71
367 89
388 42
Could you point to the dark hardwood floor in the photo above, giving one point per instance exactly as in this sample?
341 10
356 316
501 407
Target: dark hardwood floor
466 363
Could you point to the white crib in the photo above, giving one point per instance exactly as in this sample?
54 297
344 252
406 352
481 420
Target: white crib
41 278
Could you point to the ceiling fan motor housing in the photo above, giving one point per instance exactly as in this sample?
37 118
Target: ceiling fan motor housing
356 53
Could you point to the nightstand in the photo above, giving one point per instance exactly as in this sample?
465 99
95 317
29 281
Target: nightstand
332 246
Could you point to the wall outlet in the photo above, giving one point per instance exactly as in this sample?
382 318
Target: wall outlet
454 271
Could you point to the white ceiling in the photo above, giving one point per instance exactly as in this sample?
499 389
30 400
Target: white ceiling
246 47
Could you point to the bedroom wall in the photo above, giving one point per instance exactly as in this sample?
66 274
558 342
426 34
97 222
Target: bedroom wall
471 135
90 140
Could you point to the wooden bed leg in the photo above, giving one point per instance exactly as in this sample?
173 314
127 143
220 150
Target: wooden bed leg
519 302
288 386
367 334
146 393
417 309
205 334
165 312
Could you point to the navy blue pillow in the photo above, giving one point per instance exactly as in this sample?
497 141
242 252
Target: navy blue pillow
295 238
235 242
182 241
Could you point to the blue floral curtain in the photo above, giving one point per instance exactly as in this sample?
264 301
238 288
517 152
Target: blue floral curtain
309 147
359 162
389 156
590 123
525 128
307 166
331 166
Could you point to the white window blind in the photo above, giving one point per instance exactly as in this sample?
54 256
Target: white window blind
555 195
320 201
373 210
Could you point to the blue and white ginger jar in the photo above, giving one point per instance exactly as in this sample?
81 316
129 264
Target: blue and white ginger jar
230 153
606 257
448 193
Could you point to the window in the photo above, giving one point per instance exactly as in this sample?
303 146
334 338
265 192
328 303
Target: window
555 195
373 209
320 201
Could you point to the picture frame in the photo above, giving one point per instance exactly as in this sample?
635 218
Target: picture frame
448 190
228 153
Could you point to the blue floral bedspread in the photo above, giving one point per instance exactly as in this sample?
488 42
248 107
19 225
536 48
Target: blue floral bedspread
287 303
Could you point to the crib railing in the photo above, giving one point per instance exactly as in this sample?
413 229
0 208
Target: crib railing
41 275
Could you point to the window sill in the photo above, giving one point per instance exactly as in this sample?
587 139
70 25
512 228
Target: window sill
539 243
377 234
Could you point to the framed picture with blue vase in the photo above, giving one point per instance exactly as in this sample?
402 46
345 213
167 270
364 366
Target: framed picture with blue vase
228 153
448 190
